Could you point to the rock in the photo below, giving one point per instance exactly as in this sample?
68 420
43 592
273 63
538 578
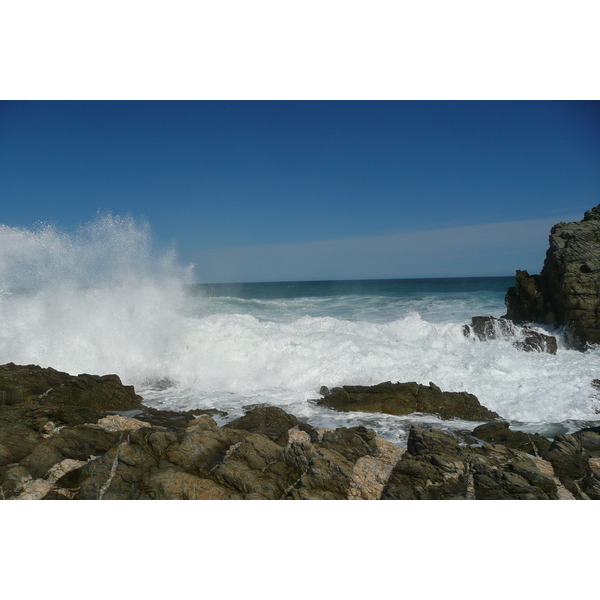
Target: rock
500 433
22 382
13 481
589 439
100 394
78 443
269 454
371 473
172 419
567 291
437 467
406 398
119 423
42 395
529 340
16 443
571 463
271 421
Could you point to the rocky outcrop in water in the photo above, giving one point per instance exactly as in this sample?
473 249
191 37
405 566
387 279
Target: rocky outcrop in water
567 291
523 337
405 398
266 454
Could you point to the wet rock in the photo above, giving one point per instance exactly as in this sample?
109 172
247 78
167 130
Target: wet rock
589 439
500 433
22 382
99 394
527 339
269 454
172 419
406 398
571 463
352 443
436 466
567 291
271 421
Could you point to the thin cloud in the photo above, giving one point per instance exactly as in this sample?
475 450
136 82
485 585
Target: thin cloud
474 250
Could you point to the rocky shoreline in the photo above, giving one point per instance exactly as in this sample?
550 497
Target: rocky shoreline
89 437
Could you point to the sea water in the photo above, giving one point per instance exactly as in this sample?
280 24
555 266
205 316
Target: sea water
104 299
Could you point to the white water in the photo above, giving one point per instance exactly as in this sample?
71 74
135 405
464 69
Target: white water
103 300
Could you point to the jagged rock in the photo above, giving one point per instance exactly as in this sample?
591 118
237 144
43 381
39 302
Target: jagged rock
100 394
567 291
529 340
172 419
271 421
500 433
406 398
571 462
437 467
22 382
256 457
78 443
589 439
16 443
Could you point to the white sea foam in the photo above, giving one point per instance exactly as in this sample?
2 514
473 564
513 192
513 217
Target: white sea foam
104 300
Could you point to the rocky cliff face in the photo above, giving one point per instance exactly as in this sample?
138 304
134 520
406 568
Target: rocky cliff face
567 291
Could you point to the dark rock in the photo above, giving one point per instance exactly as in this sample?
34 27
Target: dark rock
312 432
570 462
500 433
527 301
589 440
174 419
256 457
79 443
100 394
406 398
324 474
271 421
567 291
529 340
436 466
352 443
13 480
22 382
16 443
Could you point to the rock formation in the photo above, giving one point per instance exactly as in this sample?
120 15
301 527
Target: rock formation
525 338
406 398
567 291
266 454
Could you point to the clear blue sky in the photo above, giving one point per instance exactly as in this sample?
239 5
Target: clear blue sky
284 190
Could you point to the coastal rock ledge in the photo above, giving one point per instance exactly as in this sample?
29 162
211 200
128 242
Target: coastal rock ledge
47 452
567 291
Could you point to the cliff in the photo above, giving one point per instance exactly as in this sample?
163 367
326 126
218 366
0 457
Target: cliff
567 291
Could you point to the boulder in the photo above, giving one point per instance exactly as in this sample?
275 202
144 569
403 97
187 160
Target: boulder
271 421
567 291
524 338
405 398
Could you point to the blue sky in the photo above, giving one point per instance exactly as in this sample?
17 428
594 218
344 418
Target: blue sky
289 190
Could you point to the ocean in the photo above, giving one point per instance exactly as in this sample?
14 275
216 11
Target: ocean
105 300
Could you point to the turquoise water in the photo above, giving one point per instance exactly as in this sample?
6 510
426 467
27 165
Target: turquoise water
379 300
